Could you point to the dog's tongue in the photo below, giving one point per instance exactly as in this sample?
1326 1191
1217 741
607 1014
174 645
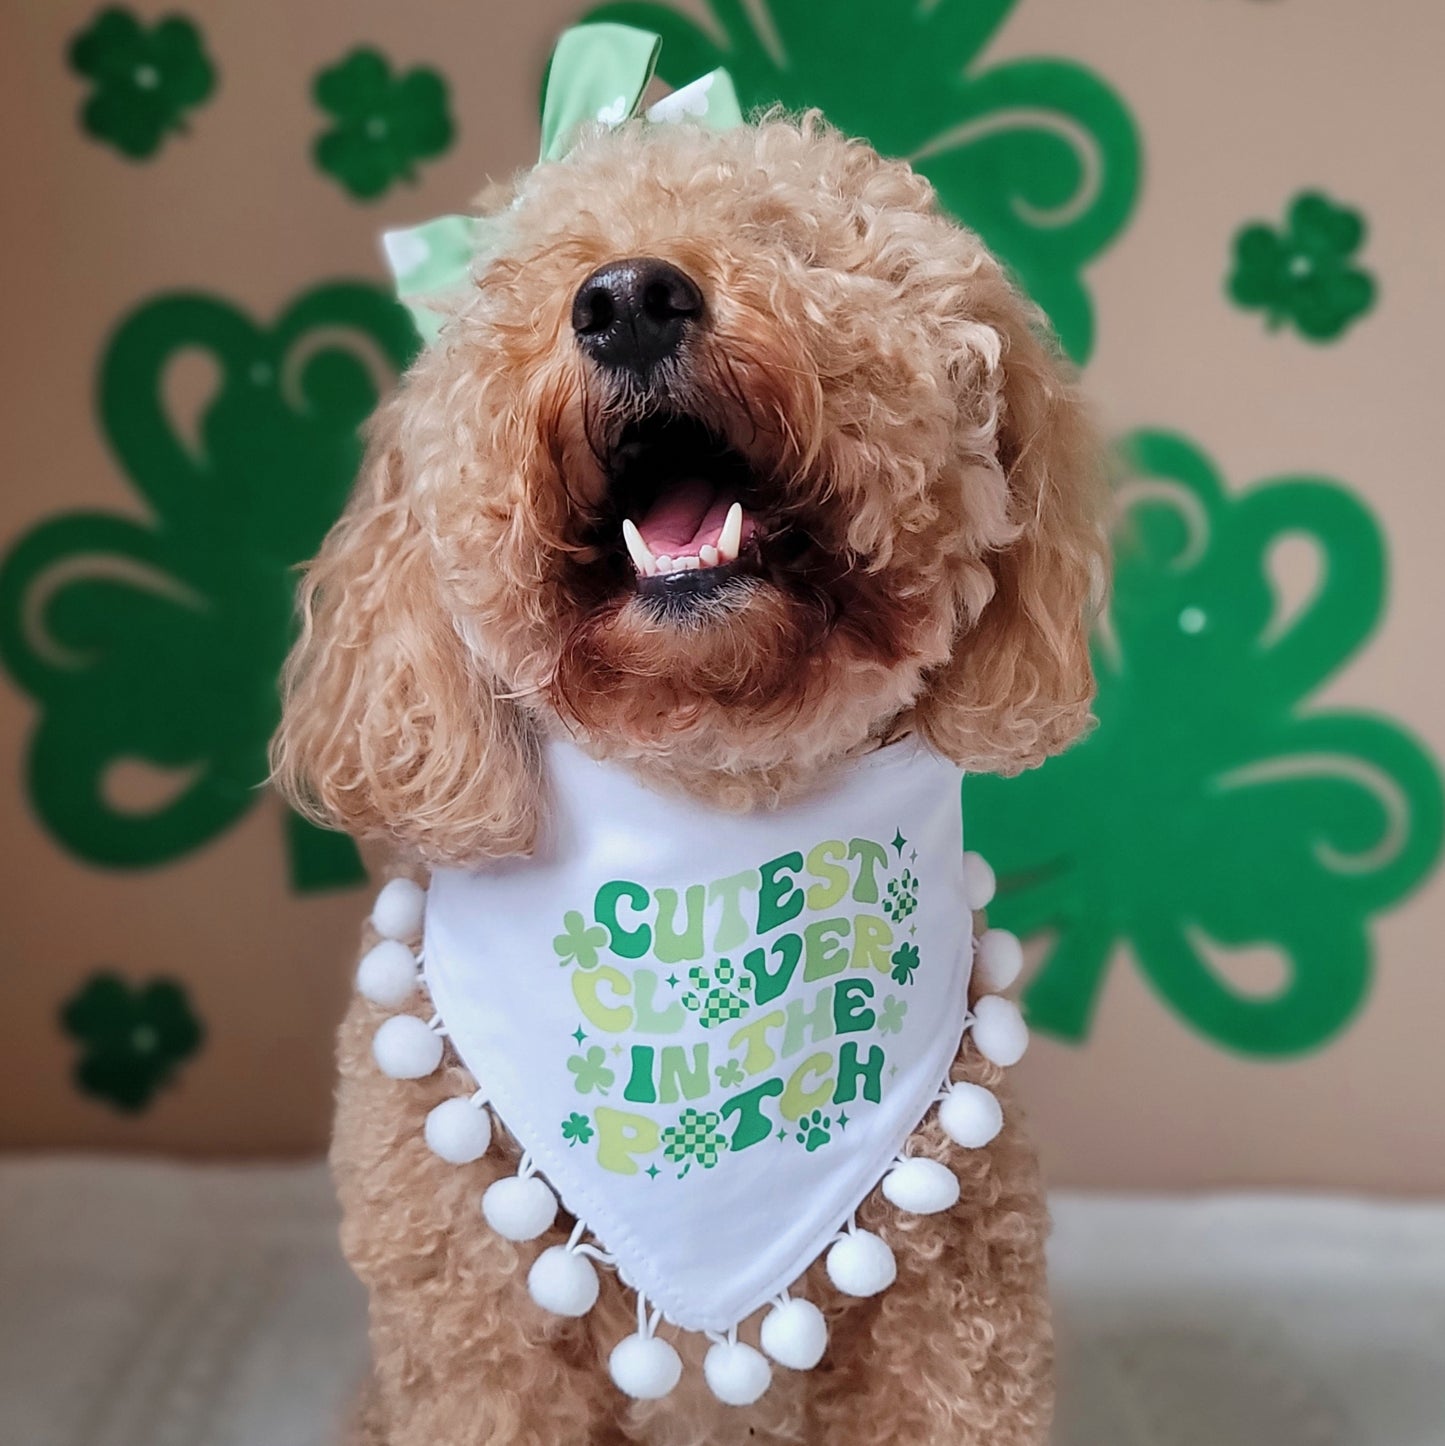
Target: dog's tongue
688 516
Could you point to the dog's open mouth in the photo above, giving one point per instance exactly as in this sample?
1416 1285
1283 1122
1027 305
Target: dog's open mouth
688 507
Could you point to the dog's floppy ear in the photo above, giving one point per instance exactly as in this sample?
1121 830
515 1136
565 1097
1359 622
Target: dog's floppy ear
1019 684
390 726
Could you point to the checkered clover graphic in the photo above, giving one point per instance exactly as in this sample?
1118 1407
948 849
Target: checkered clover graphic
695 1138
712 998
902 897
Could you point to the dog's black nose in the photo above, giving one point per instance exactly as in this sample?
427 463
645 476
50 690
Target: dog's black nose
634 314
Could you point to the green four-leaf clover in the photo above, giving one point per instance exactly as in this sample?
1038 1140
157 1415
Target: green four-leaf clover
1039 156
133 1039
1304 274
145 78
156 638
905 963
1215 808
696 1137
385 123
891 1015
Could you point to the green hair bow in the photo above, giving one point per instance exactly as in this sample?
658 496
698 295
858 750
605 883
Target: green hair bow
598 74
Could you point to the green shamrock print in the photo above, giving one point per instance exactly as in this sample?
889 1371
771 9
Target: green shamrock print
730 1075
577 1129
711 998
384 123
145 79
1215 808
133 1039
902 897
1304 274
891 1015
696 1137
1039 156
577 942
814 1131
154 638
905 963
591 1071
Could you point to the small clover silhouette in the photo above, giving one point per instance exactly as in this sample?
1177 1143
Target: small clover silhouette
384 123
576 1129
592 1071
1040 157
1305 273
730 1074
578 941
891 1015
1214 808
133 1038
145 79
695 1137
156 639
905 962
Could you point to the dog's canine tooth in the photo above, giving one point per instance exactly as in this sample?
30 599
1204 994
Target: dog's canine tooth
638 550
730 539
707 555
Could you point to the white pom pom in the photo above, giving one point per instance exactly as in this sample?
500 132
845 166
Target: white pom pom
736 1373
978 881
644 1367
861 1264
998 959
795 1334
520 1207
999 1030
563 1282
405 1048
970 1115
459 1131
387 974
399 909
922 1187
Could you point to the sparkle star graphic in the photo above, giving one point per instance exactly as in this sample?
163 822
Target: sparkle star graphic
579 1034
843 1121
616 1048
671 981
913 856
783 1133
899 841
652 1172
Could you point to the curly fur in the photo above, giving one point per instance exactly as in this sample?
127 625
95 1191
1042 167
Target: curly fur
933 463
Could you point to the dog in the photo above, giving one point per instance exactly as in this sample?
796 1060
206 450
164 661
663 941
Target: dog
767 349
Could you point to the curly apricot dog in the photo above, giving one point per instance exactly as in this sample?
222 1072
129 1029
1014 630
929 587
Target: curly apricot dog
738 461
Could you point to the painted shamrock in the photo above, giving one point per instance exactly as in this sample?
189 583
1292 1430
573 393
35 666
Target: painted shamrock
902 897
1039 156
712 997
891 1015
145 78
155 639
578 942
591 1071
133 1038
905 963
696 1137
730 1075
577 1129
1304 274
814 1130
385 123
1215 809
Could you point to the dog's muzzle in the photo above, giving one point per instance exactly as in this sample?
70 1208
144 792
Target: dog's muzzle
632 315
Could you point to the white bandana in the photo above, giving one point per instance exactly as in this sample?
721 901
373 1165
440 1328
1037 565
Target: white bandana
711 1032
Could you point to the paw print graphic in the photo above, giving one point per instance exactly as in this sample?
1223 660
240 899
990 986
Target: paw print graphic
902 897
712 996
815 1130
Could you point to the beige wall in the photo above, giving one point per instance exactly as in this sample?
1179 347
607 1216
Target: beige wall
1240 103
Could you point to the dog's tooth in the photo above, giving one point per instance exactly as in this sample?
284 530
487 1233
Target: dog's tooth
730 539
707 555
689 564
665 563
638 550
